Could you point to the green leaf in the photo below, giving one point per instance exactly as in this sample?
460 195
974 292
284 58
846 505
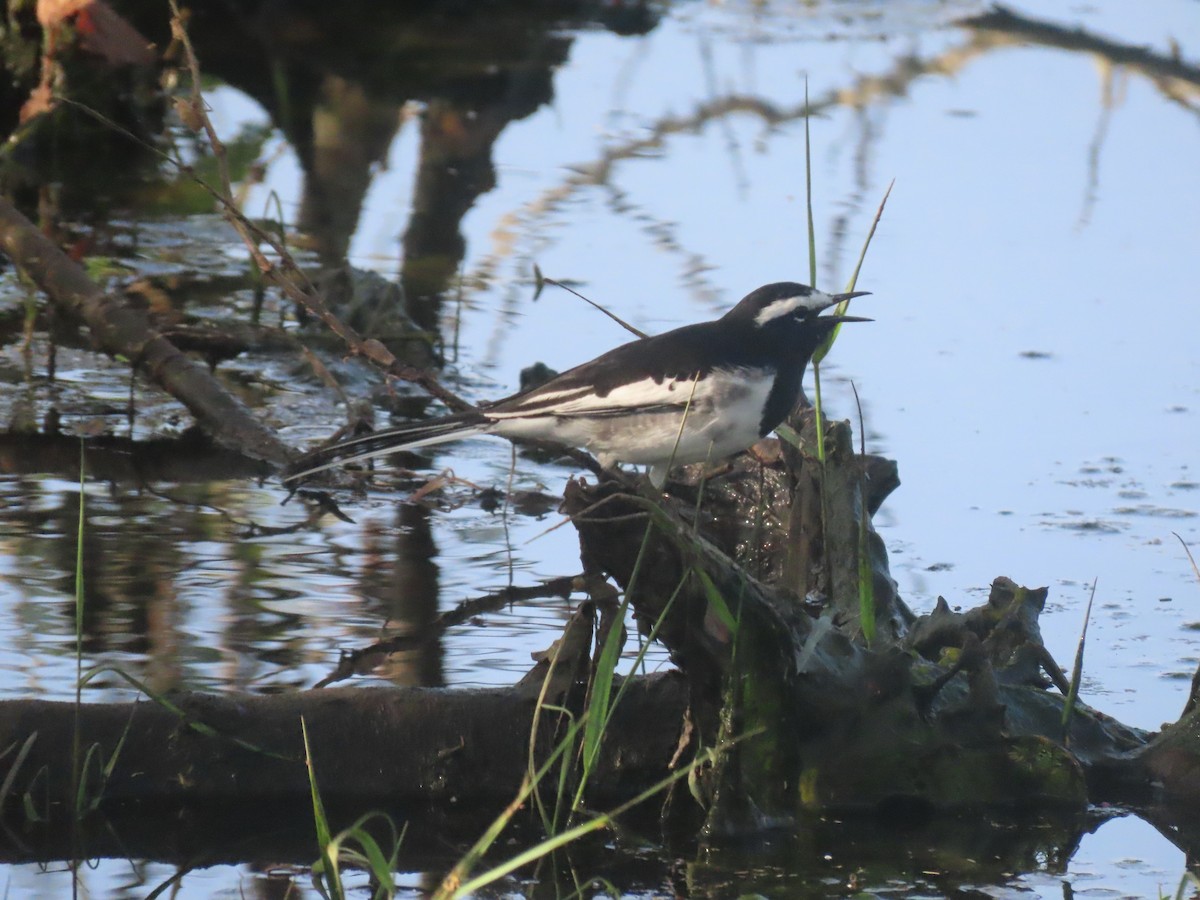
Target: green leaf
717 603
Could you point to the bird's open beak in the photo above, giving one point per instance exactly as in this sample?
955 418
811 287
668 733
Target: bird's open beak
839 299
845 298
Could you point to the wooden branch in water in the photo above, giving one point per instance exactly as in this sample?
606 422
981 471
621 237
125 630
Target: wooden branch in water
387 745
122 331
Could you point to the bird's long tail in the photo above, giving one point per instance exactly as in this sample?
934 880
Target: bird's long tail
403 437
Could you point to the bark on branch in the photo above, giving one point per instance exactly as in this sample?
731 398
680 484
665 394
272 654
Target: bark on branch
417 745
121 331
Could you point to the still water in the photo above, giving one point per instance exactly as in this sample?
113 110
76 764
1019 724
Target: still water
1032 367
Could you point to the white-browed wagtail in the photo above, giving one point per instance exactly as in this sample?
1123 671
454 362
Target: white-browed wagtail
697 393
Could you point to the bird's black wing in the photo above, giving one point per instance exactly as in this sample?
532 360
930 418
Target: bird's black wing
637 375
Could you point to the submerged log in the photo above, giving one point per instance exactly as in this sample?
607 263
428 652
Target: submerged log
379 746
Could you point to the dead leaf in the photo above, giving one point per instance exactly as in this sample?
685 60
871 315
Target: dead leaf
41 100
101 30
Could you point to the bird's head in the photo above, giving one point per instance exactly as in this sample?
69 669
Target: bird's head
788 304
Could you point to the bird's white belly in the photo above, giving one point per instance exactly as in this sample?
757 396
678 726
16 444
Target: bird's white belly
723 417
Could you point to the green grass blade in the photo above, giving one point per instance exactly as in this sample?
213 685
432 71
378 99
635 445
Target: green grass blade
79 600
37 813
808 204
645 648
451 884
816 367
79 570
193 724
845 304
549 821
116 754
572 834
597 712
621 691
76 736
1077 670
790 434
327 867
380 865
90 762
11 776
812 269
593 732
687 408
1189 879
717 603
866 580
841 308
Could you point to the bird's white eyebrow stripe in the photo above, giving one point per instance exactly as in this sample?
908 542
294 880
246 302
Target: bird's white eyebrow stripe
816 301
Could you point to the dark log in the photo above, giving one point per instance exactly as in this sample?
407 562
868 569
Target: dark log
1172 761
831 543
374 746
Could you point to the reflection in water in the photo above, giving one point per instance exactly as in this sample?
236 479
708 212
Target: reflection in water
351 133
183 586
901 853
403 583
455 168
338 85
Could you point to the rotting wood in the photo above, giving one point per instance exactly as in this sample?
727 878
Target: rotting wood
382 745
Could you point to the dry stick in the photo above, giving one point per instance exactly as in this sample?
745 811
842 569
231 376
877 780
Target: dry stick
121 331
542 279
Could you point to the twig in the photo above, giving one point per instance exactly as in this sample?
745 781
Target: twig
542 279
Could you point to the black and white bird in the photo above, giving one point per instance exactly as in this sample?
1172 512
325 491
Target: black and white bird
700 392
